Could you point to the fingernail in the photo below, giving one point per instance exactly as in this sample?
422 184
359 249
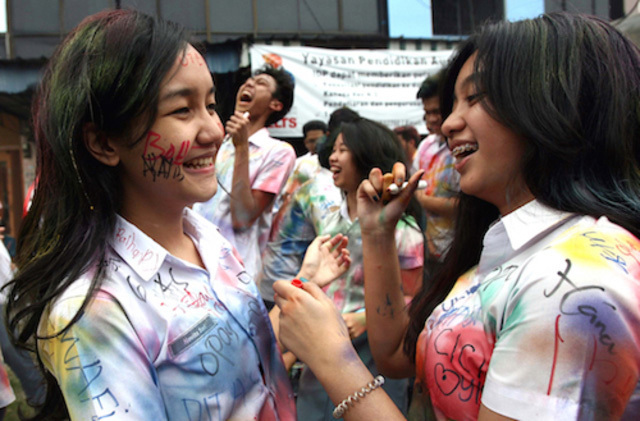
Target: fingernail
297 283
376 198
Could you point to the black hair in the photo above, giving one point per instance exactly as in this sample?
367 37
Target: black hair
569 86
408 133
283 93
430 87
374 145
314 125
338 116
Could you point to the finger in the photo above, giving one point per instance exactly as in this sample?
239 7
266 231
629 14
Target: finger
284 290
412 185
375 177
399 173
367 189
386 182
313 290
333 242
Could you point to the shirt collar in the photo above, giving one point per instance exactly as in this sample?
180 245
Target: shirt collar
140 251
529 220
260 138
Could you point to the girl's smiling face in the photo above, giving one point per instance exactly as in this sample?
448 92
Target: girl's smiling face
343 167
488 155
173 164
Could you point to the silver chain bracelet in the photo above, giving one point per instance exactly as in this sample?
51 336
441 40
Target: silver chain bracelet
356 396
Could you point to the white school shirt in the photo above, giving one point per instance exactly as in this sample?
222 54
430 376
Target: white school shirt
545 328
164 339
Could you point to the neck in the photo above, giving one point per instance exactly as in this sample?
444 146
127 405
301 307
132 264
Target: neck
257 122
352 204
163 225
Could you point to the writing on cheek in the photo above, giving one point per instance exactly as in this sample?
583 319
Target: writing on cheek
153 151
162 162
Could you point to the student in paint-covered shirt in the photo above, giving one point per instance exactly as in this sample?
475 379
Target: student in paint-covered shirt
357 146
138 307
252 167
534 314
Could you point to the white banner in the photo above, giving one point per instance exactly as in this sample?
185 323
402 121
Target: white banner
379 84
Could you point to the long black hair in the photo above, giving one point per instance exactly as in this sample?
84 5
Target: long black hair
569 86
107 72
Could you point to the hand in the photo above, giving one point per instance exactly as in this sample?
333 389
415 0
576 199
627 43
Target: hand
356 323
238 128
374 214
326 259
310 325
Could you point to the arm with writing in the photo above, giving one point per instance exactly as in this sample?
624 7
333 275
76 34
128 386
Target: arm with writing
387 317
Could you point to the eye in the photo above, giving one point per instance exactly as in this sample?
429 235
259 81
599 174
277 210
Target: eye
473 98
181 111
212 107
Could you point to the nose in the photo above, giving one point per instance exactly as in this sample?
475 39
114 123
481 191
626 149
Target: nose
211 129
454 123
333 157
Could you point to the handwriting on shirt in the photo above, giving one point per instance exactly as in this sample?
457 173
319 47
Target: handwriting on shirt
469 367
584 305
198 409
144 257
89 372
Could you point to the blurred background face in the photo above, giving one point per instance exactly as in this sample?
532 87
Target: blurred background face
311 138
343 166
432 115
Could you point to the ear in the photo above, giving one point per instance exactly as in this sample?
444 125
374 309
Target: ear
99 145
275 105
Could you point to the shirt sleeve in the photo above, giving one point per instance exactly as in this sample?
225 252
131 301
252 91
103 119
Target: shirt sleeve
275 169
100 364
567 345
410 244
283 255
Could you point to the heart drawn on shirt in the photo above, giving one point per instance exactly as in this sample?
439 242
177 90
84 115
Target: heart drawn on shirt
446 380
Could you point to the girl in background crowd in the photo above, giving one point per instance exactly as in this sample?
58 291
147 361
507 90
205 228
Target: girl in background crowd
136 306
535 312
359 146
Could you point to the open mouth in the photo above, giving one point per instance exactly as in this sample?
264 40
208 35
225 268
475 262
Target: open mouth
199 163
246 96
465 150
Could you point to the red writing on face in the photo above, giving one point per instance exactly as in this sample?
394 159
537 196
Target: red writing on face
153 151
192 58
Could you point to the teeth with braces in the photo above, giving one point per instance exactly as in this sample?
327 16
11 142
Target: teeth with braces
467 147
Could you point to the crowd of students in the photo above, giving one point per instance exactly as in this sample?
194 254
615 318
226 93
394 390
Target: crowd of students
158 240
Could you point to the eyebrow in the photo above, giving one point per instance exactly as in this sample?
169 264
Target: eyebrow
183 92
471 79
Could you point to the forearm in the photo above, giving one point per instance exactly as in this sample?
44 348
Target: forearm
387 318
443 206
243 204
344 376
